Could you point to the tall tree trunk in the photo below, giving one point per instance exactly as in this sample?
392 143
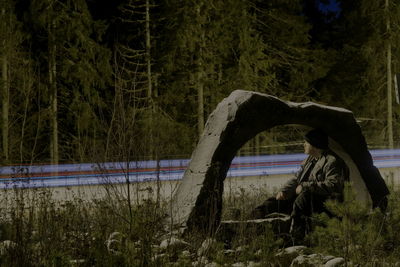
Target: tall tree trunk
5 105
389 78
53 94
5 91
148 52
149 80
200 84
200 103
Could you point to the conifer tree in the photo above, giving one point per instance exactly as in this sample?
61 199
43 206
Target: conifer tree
86 73
380 50
203 61
352 231
357 79
10 58
184 62
5 33
77 68
238 44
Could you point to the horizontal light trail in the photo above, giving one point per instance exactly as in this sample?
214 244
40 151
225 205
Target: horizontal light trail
142 171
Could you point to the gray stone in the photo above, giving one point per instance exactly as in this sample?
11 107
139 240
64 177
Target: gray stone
327 258
311 260
197 203
287 255
289 251
299 260
335 262
253 264
173 242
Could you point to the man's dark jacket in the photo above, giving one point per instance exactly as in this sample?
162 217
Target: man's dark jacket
325 178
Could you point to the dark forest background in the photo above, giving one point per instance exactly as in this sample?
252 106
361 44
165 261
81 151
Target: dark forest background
86 81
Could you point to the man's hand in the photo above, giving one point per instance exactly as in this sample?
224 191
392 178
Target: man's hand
299 188
280 196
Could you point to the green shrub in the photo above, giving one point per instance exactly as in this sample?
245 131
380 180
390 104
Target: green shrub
353 232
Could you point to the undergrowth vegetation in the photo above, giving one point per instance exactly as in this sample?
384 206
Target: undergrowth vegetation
36 230
107 232
360 235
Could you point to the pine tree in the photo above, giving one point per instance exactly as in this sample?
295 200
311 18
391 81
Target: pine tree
7 52
4 31
13 82
77 67
352 232
358 79
85 73
287 63
184 62
380 50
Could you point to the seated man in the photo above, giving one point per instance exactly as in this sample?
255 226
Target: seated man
321 177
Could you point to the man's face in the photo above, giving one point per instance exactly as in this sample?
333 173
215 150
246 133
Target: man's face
307 148
311 150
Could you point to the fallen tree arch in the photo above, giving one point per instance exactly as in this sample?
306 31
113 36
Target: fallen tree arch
197 203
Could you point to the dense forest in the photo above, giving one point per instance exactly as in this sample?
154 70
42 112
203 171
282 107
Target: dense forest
85 81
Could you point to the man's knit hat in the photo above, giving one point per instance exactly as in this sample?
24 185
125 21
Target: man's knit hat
317 138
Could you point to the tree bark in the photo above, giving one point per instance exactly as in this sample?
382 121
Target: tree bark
53 94
5 106
152 147
200 83
200 104
5 92
389 78
148 54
